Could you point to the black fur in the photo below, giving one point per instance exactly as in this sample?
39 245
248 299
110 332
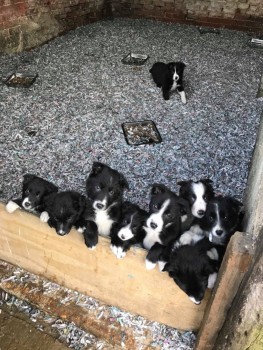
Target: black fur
34 190
65 210
105 187
129 230
163 73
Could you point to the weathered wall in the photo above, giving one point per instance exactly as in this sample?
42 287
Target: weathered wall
28 23
236 14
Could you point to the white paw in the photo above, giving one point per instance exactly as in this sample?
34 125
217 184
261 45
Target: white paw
185 239
11 207
161 265
149 265
212 280
81 229
118 251
92 248
44 217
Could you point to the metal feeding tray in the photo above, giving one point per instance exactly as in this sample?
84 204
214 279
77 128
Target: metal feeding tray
135 59
257 42
206 30
20 79
141 133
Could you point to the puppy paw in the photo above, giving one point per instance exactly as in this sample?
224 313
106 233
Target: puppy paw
80 229
149 265
44 217
92 247
161 265
118 251
211 280
11 207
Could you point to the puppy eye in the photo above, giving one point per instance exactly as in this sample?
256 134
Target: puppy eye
97 188
125 222
211 218
155 206
205 197
193 197
37 194
169 215
111 192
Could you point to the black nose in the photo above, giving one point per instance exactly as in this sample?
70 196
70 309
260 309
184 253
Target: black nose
122 236
27 204
100 206
201 212
153 225
219 232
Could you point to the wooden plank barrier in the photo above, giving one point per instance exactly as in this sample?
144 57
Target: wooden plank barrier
32 245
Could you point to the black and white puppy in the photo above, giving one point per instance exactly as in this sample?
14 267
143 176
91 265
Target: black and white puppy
105 187
221 220
163 224
197 193
169 77
64 210
129 230
34 189
194 268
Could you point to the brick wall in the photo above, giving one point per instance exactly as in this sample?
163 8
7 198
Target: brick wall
236 14
28 23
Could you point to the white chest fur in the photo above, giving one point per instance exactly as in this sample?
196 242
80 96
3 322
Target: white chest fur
151 238
103 221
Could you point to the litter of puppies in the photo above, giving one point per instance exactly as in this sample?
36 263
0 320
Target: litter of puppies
181 232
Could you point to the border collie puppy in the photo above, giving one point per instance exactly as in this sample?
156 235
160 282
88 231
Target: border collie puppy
197 193
105 187
64 210
34 189
194 268
129 230
221 220
169 77
163 224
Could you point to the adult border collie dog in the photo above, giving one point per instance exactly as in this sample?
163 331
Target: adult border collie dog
129 230
163 224
197 193
169 77
105 187
34 189
64 210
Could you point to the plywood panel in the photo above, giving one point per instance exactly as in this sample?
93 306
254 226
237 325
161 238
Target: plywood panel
34 246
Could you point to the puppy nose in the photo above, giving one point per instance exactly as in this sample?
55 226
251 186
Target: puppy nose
122 237
176 77
201 212
153 225
27 204
219 232
100 205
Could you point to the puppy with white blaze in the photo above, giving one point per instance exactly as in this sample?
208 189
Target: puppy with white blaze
105 187
163 224
169 77
129 230
197 193
34 190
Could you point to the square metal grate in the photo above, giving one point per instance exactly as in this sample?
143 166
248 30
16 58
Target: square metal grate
135 59
141 133
20 80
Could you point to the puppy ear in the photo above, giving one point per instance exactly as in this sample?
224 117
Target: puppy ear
182 183
237 205
97 168
51 188
206 181
79 203
123 182
48 200
184 206
28 178
156 189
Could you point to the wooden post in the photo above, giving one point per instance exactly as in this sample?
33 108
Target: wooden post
236 262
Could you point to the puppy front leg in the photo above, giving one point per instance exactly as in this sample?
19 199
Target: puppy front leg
166 92
154 255
91 235
119 247
13 205
180 89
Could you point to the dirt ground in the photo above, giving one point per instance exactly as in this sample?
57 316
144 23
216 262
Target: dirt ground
17 333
